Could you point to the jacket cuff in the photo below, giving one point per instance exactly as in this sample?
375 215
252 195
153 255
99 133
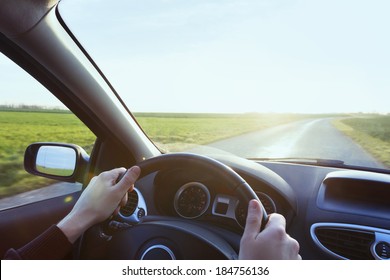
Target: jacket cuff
50 245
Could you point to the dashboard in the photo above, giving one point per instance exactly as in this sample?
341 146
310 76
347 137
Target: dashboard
342 214
194 201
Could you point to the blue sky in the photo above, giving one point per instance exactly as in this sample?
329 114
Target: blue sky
240 55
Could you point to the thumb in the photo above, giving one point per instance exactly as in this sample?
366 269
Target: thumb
129 178
253 220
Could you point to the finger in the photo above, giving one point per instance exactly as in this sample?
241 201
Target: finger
295 246
253 220
124 200
276 220
115 173
122 203
92 181
128 180
116 211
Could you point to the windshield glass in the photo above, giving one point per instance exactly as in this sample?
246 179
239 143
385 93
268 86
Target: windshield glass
258 79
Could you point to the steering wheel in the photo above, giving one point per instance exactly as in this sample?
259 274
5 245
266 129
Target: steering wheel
159 237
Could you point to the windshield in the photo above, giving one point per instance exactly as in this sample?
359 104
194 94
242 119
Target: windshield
258 79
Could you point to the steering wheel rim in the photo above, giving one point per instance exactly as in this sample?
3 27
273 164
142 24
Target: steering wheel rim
167 161
232 181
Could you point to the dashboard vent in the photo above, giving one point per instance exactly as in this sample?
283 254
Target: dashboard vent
347 243
131 205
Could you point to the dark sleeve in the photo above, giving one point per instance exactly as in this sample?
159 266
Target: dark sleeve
50 245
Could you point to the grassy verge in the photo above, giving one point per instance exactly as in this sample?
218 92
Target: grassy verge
371 132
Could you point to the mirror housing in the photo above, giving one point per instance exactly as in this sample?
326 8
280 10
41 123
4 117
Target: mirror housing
58 161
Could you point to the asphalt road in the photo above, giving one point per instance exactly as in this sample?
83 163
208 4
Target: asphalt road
312 138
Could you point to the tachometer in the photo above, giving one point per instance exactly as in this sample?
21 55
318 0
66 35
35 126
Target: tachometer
192 200
268 203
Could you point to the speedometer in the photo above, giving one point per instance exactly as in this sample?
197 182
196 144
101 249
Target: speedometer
192 200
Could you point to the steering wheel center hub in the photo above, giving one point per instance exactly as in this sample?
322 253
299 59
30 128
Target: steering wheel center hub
158 252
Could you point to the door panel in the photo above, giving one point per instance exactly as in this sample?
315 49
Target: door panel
22 224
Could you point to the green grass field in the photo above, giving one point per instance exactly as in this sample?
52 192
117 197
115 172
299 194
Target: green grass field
372 132
171 132
19 129
175 132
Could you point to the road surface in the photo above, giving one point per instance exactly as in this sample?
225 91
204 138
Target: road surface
312 138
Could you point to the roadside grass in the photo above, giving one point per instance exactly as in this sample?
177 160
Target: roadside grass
170 131
371 132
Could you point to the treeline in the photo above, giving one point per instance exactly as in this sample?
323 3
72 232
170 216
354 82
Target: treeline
32 108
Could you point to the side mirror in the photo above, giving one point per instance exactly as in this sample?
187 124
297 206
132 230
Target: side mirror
63 162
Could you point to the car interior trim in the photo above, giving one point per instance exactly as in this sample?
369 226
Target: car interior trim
230 208
140 209
380 236
158 247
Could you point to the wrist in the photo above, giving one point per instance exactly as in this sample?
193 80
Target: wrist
72 227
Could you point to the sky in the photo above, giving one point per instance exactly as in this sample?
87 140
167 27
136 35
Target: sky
236 56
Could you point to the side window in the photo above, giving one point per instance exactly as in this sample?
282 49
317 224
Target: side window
30 113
